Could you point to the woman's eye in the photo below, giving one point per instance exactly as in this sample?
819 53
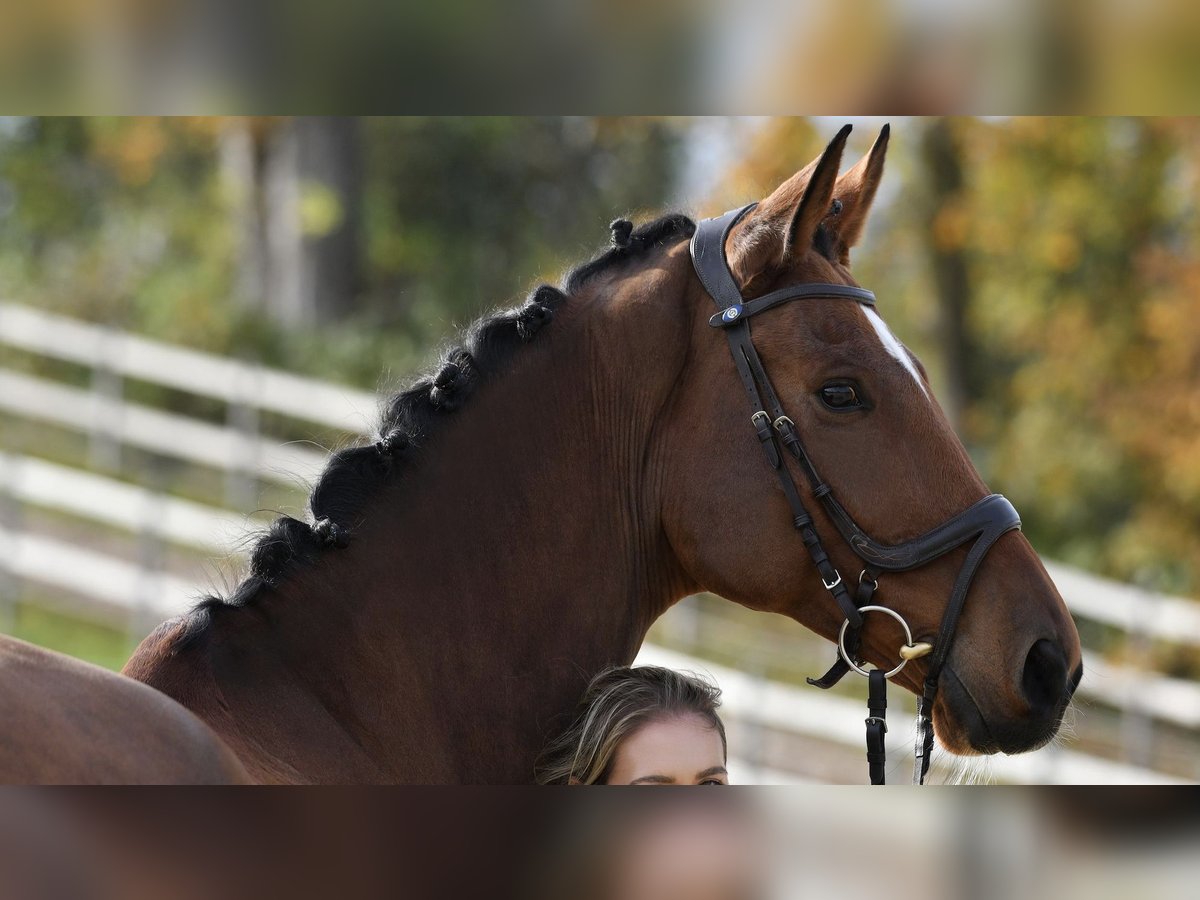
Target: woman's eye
840 396
712 781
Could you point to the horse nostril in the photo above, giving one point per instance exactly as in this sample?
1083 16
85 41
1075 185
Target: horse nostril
1045 677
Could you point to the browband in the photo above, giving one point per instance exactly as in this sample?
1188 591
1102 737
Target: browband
713 269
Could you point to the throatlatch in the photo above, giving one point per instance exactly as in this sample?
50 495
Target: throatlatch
981 524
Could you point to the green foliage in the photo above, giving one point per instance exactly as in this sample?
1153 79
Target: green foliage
464 214
40 624
120 221
130 222
1083 250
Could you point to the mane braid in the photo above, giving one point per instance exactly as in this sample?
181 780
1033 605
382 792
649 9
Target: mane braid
660 233
353 474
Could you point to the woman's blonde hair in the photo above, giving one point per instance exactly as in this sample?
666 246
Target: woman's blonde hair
618 702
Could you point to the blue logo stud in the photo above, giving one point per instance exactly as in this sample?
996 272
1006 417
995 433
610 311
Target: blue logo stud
732 313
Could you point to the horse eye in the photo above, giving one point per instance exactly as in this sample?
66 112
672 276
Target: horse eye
840 396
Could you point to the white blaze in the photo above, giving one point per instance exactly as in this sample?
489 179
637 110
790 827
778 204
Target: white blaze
893 346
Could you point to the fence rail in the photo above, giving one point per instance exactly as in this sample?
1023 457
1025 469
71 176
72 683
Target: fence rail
1175 620
167 434
236 383
133 508
133 593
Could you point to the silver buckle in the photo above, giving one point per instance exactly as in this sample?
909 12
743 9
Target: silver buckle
754 419
779 427
919 746
836 581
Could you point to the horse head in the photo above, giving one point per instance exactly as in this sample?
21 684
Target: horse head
862 413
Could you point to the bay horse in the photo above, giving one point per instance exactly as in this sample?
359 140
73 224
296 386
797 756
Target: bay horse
568 473
66 721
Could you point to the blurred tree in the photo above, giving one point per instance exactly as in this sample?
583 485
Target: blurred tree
942 221
296 202
1083 236
338 246
774 153
466 212
118 220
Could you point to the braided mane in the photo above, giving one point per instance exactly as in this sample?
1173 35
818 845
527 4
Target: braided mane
411 417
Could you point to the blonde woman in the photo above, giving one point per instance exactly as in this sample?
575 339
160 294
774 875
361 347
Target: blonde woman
641 725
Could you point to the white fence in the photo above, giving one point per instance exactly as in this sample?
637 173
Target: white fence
111 421
137 594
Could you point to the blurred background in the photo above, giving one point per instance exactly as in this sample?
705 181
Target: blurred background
1041 56
776 844
193 310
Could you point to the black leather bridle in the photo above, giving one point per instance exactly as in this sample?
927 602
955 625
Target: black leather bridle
981 524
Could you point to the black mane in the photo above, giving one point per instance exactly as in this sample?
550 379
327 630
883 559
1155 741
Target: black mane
410 419
631 245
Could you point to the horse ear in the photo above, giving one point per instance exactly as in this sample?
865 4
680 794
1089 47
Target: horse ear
760 244
855 191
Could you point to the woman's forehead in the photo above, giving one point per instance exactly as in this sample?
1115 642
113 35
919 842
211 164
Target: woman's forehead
682 746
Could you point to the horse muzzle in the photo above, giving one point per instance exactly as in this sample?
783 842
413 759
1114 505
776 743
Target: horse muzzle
1017 721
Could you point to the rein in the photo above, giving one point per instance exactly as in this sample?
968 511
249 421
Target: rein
981 524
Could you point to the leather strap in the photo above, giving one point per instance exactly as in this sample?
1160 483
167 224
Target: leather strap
732 314
981 524
713 270
864 596
876 725
708 257
958 598
985 522
991 512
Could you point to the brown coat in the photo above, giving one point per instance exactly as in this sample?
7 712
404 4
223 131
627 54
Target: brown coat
64 721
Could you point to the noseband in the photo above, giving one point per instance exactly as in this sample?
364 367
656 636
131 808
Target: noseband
981 524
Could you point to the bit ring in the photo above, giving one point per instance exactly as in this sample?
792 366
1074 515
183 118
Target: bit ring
915 651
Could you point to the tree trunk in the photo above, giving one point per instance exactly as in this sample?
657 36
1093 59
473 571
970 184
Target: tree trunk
942 158
298 187
241 148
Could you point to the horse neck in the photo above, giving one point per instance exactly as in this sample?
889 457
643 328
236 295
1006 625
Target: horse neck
521 552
